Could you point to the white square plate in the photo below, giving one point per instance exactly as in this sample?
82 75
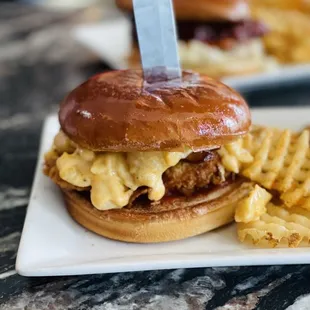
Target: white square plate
53 244
111 41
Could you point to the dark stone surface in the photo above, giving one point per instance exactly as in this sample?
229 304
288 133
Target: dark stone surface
38 65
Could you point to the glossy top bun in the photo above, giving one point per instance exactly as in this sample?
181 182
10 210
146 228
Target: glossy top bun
233 10
118 111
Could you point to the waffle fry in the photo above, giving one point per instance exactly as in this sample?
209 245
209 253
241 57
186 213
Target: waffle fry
280 161
290 5
283 164
289 36
269 158
277 227
277 160
252 207
280 4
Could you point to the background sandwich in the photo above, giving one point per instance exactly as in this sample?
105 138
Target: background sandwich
218 38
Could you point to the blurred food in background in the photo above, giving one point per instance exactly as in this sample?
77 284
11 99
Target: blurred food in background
289 24
301 5
218 38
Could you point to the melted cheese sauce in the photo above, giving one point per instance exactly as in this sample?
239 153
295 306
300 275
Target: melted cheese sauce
113 177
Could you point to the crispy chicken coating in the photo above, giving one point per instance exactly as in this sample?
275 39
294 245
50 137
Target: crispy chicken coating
198 171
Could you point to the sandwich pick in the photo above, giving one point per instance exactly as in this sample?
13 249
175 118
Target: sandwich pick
157 39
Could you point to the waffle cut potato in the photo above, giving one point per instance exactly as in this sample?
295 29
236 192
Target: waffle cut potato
277 227
289 37
301 5
280 161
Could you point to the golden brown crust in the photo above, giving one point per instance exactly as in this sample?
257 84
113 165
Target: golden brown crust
188 177
167 220
233 10
116 111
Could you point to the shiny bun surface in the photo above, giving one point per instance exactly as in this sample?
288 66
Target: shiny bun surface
118 111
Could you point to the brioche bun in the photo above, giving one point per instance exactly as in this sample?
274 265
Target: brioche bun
167 220
117 111
233 10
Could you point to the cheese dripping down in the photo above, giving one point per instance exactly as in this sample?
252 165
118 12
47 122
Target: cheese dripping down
112 176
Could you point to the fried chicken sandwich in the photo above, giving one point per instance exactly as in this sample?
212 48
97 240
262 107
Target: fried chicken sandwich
139 161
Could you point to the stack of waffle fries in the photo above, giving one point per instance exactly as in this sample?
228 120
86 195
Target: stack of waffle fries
297 5
277 211
289 25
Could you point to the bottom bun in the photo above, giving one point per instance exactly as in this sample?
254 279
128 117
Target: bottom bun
172 218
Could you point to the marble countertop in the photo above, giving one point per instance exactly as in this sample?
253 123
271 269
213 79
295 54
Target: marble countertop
39 63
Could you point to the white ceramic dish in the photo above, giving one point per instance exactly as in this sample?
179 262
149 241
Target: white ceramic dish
111 41
53 244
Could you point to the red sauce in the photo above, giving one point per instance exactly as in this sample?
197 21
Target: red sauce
215 32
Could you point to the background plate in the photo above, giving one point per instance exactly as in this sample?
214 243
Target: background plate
53 244
111 41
